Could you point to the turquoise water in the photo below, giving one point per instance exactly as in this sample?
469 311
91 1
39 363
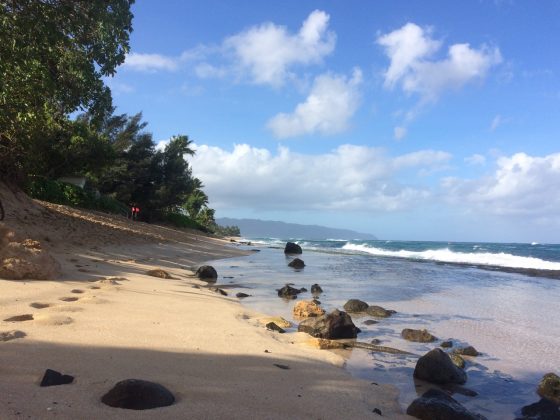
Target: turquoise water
477 294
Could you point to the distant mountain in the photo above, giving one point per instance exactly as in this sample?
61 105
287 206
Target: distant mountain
254 228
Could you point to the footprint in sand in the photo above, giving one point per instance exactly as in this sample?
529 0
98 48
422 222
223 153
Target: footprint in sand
94 287
48 319
69 299
39 305
77 291
67 308
20 318
93 299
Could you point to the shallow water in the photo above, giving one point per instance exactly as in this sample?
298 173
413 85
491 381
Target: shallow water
510 318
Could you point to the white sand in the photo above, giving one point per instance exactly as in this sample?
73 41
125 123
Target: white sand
205 348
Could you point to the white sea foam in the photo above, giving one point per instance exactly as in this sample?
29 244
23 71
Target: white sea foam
446 255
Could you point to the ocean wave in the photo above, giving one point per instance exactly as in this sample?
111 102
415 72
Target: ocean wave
447 256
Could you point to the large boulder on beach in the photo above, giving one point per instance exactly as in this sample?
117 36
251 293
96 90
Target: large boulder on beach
292 248
419 336
207 273
335 325
355 305
25 259
549 388
306 309
437 405
436 367
379 312
288 292
136 394
297 264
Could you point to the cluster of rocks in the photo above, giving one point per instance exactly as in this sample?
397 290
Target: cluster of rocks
359 306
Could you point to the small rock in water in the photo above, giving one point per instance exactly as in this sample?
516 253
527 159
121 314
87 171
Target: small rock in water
52 377
288 292
379 312
242 295
436 367
436 404
446 344
419 336
137 394
541 410
297 264
457 360
292 248
370 322
355 305
466 351
335 325
271 326
316 289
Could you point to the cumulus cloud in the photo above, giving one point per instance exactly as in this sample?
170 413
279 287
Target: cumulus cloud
333 100
150 62
476 159
269 51
411 51
399 133
347 178
521 185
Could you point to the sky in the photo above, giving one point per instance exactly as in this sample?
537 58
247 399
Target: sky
411 120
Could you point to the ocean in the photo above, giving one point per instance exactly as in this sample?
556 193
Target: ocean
500 298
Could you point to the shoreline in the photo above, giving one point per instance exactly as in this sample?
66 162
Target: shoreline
120 324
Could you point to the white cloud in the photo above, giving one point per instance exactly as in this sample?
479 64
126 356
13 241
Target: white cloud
521 185
411 50
496 122
208 71
333 100
150 62
347 178
399 133
268 51
476 159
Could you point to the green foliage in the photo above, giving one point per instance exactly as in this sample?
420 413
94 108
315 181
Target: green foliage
53 56
227 230
182 221
72 195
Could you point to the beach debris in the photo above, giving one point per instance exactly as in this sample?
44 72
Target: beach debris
271 326
25 259
377 411
418 336
379 312
39 305
370 322
20 318
436 367
316 289
541 410
278 365
355 305
241 295
137 394
11 335
326 344
337 324
288 292
278 320
52 378
457 360
292 248
436 404
306 309
207 273
297 264
549 388
446 344
466 351
158 272
218 290
375 341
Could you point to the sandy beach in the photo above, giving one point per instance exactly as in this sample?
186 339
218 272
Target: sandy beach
104 320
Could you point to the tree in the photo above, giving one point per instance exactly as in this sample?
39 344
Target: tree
53 56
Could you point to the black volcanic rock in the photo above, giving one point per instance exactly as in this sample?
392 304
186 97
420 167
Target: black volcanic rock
437 405
436 367
297 264
355 305
337 324
207 273
52 377
292 248
137 394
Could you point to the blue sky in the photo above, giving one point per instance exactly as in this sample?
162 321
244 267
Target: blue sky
430 120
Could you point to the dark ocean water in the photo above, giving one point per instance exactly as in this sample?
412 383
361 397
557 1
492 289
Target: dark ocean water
500 298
